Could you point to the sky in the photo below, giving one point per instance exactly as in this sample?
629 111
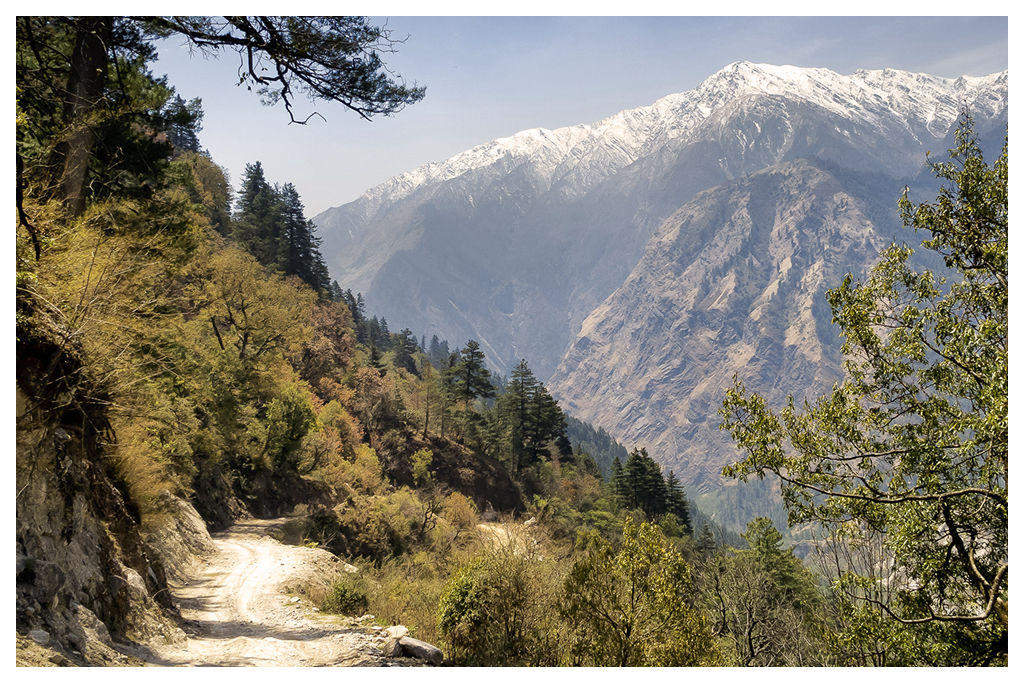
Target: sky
489 77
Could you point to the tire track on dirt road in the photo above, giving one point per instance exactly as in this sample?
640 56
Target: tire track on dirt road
237 615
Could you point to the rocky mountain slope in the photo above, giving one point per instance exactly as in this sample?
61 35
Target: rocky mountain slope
514 242
570 247
733 282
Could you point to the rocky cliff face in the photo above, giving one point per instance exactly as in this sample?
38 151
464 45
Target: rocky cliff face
733 282
86 581
514 242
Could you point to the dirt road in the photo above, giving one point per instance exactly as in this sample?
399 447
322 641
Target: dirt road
237 615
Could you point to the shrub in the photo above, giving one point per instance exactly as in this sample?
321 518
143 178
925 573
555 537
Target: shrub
499 610
345 597
629 607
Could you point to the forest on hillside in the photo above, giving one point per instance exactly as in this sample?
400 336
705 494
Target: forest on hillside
196 336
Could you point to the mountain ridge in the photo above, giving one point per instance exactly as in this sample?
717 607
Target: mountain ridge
738 76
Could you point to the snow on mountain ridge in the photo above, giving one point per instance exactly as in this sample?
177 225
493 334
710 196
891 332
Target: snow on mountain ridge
872 97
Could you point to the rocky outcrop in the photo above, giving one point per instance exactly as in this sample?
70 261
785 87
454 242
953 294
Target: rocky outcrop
733 283
178 537
84 575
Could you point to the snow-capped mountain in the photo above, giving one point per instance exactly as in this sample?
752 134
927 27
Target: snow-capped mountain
515 241
924 105
553 245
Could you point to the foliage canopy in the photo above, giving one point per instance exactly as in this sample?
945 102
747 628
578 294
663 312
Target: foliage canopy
912 445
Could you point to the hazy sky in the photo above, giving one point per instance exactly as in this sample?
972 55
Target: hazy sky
493 76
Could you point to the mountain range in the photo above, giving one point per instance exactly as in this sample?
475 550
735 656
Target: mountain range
641 261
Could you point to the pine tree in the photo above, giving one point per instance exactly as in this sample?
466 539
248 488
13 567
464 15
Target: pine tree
405 349
449 388
706 545
438 353
515 406
374 361
298 248
546 422
182 123
643 487
258 216
676 503
372 335
654 498
617 481
470 375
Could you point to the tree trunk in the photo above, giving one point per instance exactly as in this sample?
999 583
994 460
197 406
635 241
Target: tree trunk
84 92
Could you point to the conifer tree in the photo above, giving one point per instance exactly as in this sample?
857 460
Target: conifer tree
438 353
642 485
258 216
470 376
517 402
405 348
706 545
183 123
676 503
617 481
374 361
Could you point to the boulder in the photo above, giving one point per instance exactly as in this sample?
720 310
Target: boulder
391 647
420 650
40 636
397 632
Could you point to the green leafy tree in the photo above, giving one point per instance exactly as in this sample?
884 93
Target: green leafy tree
499 609
250 312
764 602
913 443
289 417
631 606
209 188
